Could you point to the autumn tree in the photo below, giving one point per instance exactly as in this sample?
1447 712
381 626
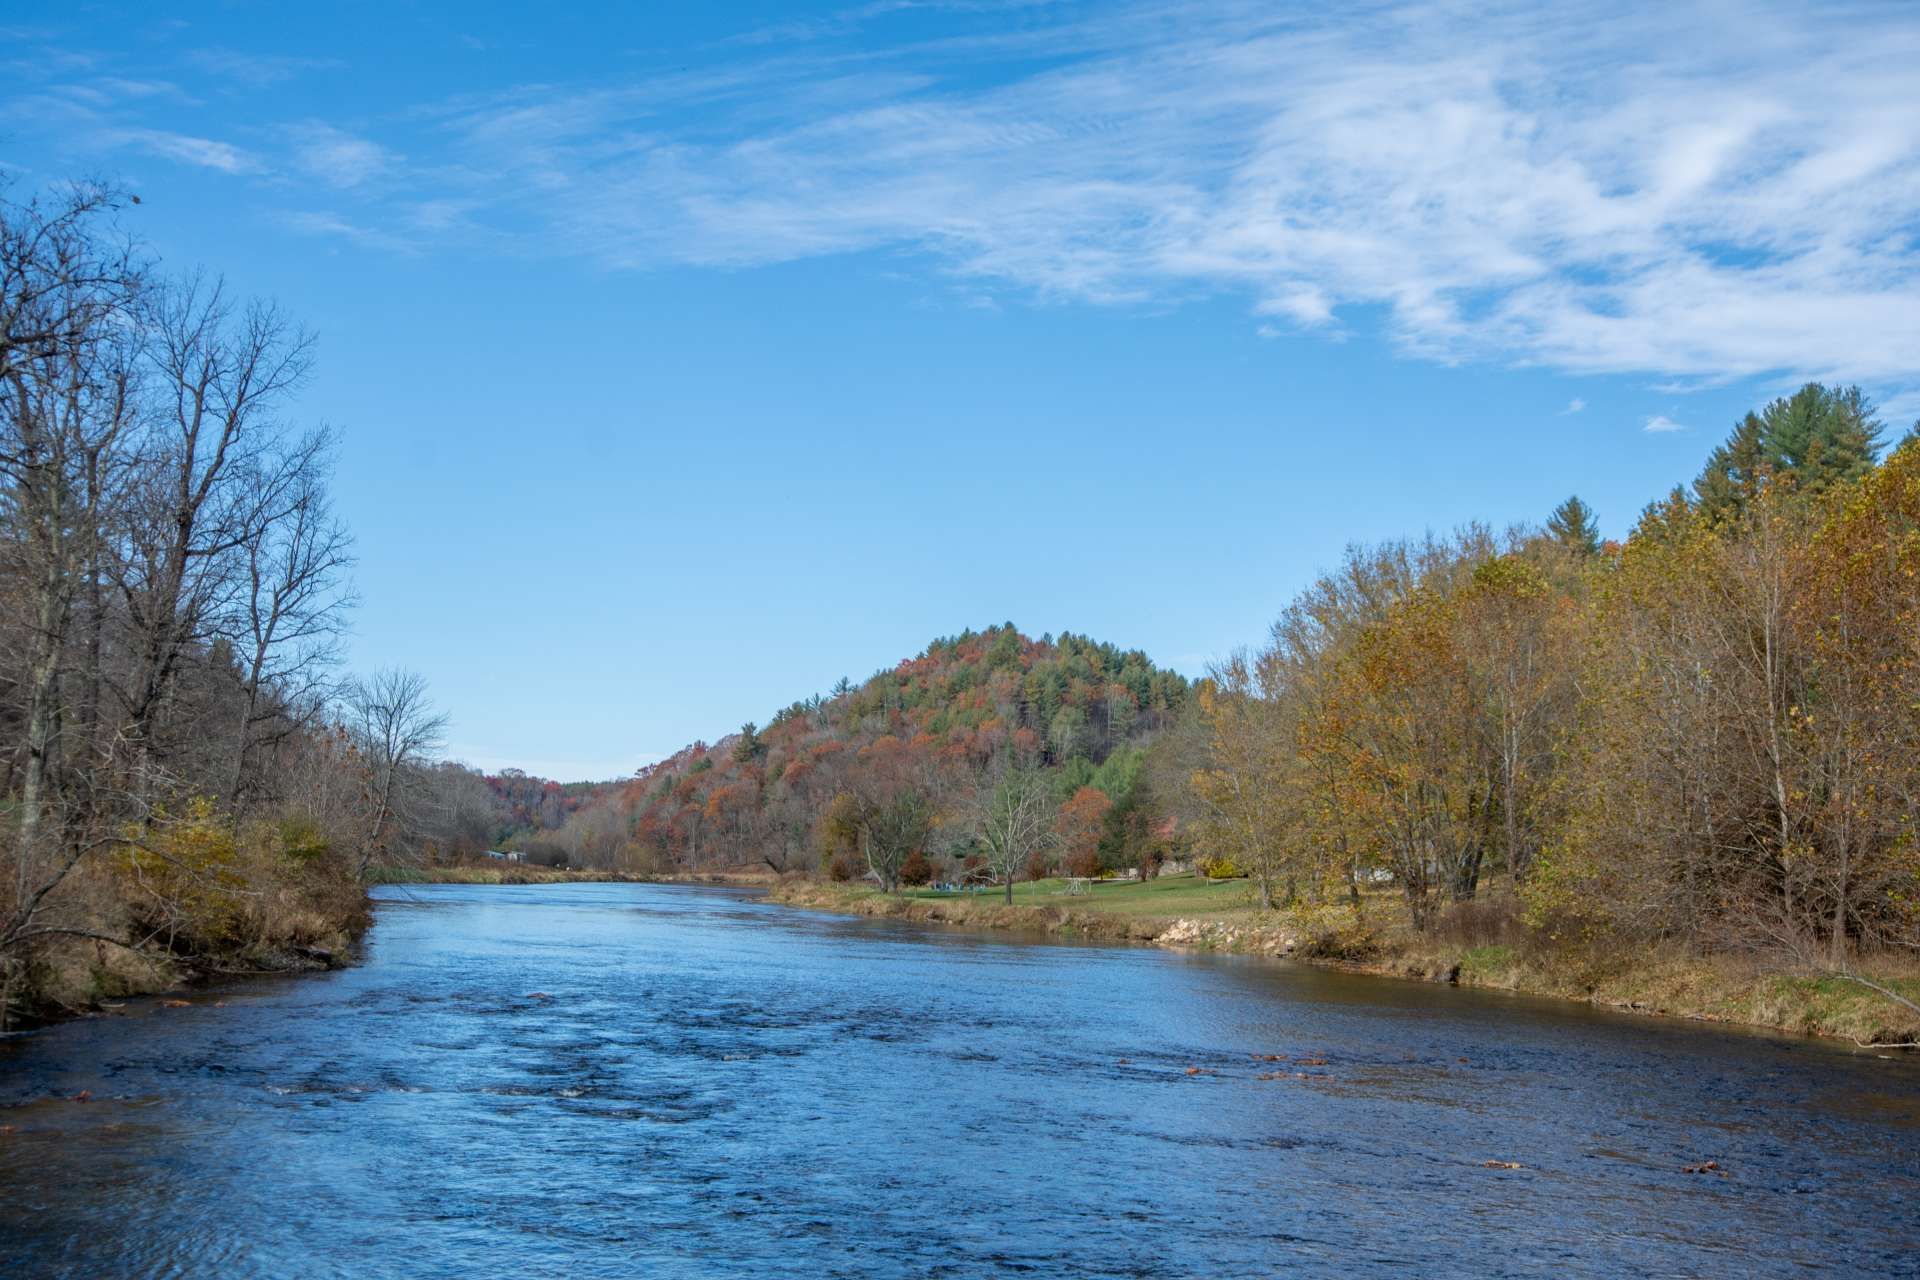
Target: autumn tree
1081 823
1243 781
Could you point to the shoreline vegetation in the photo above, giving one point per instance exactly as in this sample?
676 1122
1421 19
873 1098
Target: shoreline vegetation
1192 913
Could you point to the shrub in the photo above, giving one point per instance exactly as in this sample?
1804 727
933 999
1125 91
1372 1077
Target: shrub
1039 866
1219 869
840 868
1084 862
1334 932
1480 922
302 840
916 870
183 876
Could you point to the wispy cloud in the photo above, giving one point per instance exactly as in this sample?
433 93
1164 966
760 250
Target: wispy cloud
1587 188
335 157
332 226
1660 423
1574 406
208 153
257 70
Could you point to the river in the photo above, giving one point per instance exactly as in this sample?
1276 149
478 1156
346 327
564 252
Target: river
624 1080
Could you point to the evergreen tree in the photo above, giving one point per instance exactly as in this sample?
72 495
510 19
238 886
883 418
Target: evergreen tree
1819 436
1823 435
751 745
1734 470
1572 526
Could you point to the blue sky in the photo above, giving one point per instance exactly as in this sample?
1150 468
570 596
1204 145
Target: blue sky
688 360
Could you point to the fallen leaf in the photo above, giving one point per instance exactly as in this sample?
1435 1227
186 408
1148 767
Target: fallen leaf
1501 1164
85 1095
176 1004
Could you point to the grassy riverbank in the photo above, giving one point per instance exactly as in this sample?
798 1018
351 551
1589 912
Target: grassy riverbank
1489 950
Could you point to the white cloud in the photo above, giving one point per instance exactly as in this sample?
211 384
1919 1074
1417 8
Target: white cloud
1660 423
257 70
1687 191
1574 405
205 152
333 226
1587 189
337 158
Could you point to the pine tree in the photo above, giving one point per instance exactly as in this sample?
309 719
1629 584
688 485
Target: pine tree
1573 527
1819 437
1734 470
1823 435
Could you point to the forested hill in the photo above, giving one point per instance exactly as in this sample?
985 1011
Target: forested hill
923 741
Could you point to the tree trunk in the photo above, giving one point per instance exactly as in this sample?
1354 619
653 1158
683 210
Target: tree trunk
43 714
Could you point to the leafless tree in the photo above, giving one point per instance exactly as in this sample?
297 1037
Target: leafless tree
395 729
67 418
217 475
292 609
1015 822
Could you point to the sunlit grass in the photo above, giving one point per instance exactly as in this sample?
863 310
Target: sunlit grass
1182 895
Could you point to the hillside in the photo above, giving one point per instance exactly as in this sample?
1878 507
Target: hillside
929 736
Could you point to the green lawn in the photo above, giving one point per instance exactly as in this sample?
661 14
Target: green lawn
1185 895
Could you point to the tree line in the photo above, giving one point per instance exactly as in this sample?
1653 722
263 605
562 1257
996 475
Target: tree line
1704 733
189 775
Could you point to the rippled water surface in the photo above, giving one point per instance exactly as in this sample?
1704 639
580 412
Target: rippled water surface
622 1080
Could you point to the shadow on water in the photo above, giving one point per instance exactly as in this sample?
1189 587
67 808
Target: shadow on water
613 1080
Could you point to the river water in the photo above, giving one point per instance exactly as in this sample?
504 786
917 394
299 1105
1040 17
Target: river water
625 1080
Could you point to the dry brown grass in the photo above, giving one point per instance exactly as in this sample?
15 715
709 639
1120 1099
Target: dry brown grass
195 898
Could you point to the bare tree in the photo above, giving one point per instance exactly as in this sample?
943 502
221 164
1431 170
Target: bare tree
66 420
216 476
292 609
395 729
1016 822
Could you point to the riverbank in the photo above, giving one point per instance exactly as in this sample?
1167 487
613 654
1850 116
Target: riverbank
183 928
1220 916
